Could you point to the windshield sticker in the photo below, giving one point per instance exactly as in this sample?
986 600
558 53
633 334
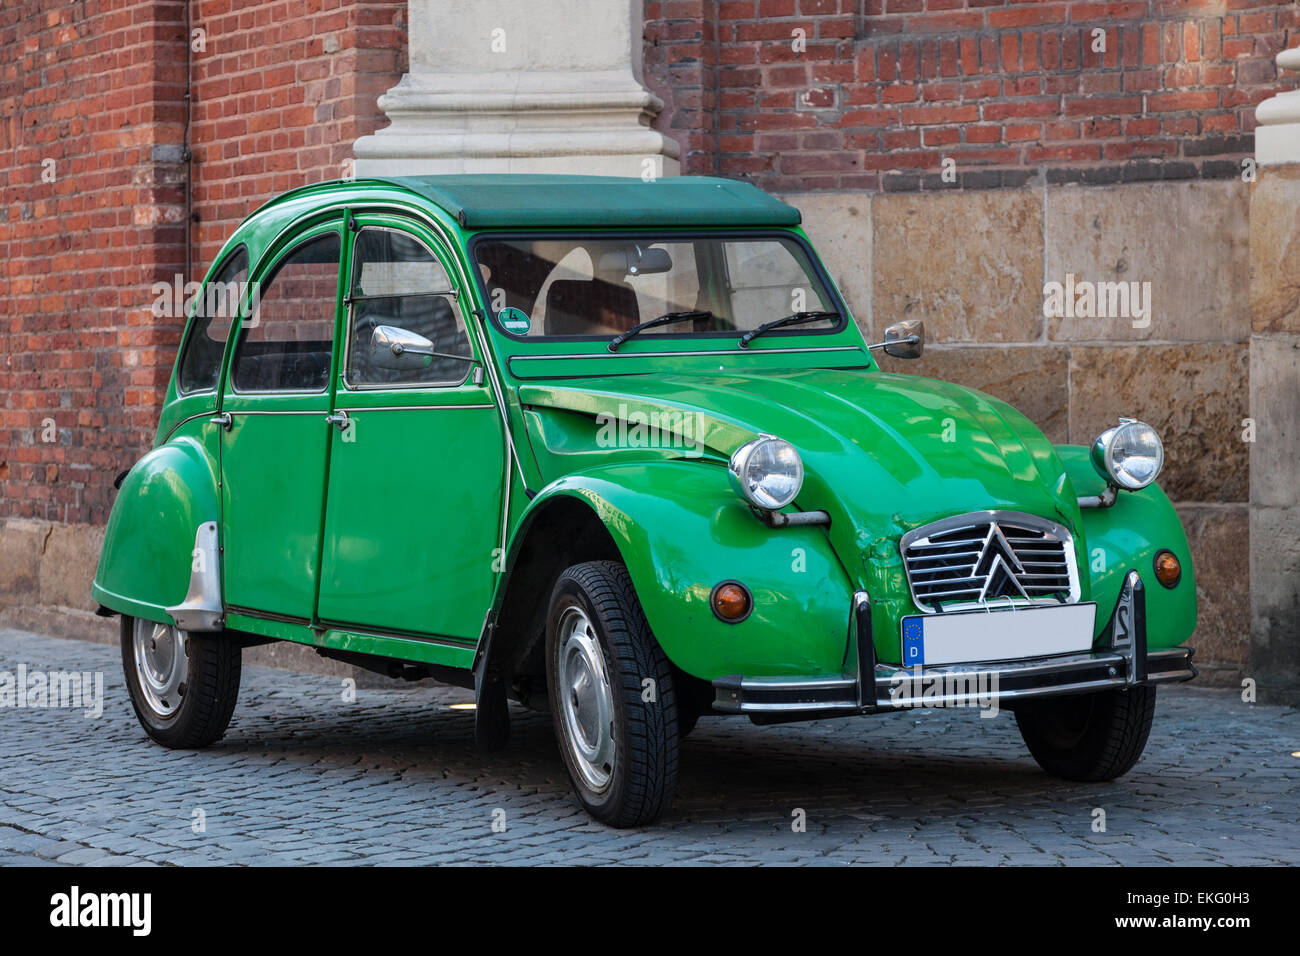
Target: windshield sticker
515 320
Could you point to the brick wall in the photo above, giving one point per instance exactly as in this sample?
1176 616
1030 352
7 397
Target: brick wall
874 94
281 92
93 206
91 214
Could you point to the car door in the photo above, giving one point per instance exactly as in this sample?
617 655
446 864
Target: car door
273 456
415 482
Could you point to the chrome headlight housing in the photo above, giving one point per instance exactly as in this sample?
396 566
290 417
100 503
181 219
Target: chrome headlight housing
767 472
1129 455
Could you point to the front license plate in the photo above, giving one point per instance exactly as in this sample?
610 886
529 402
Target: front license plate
966 637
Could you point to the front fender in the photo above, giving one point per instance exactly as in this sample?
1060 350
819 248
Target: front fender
681 530
144 566
1127 535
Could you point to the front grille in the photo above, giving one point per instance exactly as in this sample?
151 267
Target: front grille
990 558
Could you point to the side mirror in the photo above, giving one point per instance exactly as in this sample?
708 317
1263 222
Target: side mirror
905 340
399 350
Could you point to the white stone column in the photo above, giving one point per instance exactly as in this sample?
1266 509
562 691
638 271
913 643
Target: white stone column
1277 139
1275 397
499 86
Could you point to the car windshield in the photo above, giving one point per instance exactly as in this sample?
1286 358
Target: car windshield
599 286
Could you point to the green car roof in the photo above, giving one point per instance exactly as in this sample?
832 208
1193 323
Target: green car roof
509 200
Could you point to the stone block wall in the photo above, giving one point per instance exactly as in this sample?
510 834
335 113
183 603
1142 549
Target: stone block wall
1275 404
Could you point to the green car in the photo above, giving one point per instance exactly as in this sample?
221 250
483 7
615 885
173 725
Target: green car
618 450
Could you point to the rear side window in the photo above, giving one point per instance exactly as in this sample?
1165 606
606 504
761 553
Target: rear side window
287 343
217 306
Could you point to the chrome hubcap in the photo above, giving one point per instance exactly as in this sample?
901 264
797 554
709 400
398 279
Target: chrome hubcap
586 700
161 664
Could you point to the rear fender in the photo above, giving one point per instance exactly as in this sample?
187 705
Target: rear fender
152 543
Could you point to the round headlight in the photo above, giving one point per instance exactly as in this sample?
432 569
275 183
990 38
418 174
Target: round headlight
767 472
1129 455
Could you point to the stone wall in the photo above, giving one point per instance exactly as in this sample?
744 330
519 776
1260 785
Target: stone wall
973 265
1275 404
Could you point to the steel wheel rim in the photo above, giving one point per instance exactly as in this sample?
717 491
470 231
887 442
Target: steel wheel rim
161 665
586 700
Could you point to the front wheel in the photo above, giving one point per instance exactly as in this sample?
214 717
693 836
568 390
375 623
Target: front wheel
183 686
1091 737
612 696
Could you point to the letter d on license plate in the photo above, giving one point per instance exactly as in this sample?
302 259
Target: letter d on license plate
913 641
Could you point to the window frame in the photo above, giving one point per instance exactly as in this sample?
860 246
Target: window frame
302 238
190 327
402 227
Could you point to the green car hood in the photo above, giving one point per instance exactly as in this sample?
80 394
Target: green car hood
887 452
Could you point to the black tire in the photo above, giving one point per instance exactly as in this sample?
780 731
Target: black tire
642 775
1091 737
209 693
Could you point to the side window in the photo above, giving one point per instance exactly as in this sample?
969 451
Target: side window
397 282
287 343
217 306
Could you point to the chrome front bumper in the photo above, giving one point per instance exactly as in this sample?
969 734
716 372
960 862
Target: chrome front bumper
1125 663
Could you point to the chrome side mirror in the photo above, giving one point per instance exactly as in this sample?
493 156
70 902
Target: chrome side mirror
904 340
399 350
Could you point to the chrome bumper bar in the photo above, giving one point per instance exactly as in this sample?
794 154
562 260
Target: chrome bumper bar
1126 662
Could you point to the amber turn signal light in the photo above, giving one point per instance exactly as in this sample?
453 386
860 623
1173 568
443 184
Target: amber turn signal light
731 602
1168 570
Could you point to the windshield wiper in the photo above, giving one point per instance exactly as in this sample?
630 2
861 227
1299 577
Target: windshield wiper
797 319
665 319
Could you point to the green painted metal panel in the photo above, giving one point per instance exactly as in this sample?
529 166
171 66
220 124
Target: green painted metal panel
144 566
413 513
678 546
1127 536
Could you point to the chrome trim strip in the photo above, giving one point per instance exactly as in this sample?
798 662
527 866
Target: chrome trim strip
275 411
268 615
185 421
607 354
409 408
944 700
330 625
1162 667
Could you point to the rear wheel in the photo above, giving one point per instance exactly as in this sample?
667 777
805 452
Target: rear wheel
1091 737
183 686
612 696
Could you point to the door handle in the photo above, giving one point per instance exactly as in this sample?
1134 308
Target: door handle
224 420
340 419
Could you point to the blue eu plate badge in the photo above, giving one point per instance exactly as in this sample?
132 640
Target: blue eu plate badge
913 641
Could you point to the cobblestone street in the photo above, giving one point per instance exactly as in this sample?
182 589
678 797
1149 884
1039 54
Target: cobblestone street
393 778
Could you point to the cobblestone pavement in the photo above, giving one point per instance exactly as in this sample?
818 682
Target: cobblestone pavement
393 778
